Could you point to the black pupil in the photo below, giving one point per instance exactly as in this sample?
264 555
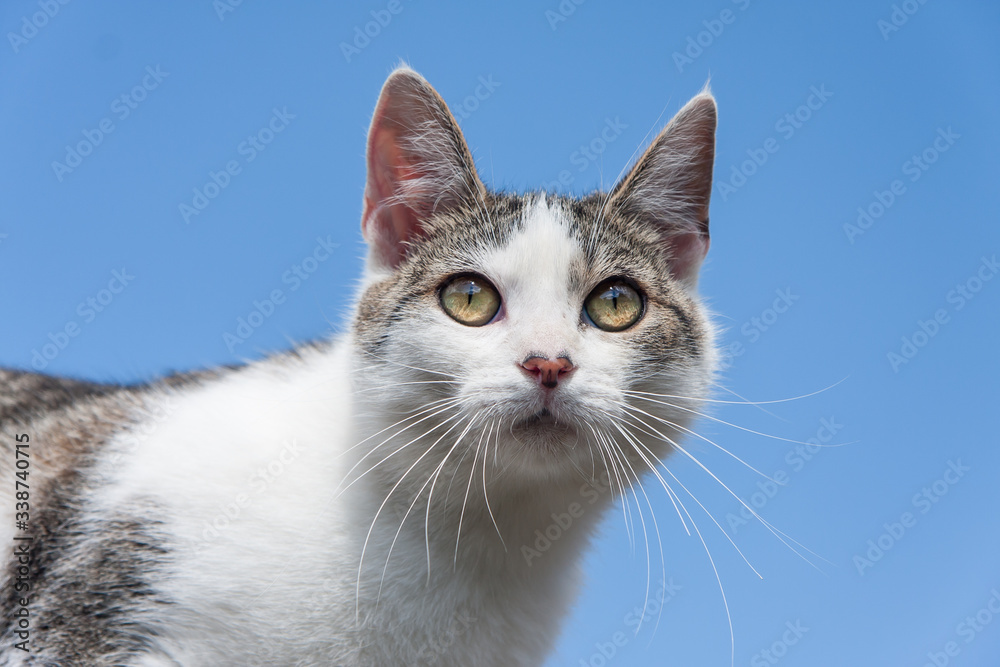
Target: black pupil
470 291
614 292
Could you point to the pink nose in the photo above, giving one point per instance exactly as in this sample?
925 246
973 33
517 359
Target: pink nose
547 371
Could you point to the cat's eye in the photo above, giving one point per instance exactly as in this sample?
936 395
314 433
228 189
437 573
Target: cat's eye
614 305
470 300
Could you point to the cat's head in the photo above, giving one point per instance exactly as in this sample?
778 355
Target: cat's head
558 334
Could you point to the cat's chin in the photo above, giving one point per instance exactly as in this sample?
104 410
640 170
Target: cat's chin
545 433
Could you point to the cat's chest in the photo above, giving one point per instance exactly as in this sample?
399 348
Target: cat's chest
264 530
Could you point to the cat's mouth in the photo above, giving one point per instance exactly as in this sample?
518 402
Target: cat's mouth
543 417
544 422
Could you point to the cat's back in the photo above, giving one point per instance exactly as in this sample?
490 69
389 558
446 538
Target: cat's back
53 425
52 430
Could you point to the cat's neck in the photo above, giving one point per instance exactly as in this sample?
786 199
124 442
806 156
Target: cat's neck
490 544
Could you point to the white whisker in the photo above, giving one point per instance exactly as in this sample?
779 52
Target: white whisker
395 486
399 449
744 402
472 472
414 368
680 427
772 529
722 421
430 496
656 528
486 496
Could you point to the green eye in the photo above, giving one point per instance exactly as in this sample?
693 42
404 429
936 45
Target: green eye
470 300
614 305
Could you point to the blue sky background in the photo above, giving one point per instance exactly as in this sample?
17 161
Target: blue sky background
889 96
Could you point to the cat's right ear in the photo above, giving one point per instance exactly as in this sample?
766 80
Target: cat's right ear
670 185
418 166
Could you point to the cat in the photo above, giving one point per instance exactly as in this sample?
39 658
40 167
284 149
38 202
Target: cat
375 499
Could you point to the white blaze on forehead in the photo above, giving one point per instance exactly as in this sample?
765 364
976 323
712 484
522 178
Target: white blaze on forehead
532 272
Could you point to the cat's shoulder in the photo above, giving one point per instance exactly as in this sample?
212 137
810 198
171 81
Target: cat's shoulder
24 396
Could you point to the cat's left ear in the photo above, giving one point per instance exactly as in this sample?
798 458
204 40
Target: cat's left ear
670 186
418 165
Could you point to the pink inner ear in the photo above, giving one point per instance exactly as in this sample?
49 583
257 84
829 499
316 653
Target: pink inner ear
387 224
687 252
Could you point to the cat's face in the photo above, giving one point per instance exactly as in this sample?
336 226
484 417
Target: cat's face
535 327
